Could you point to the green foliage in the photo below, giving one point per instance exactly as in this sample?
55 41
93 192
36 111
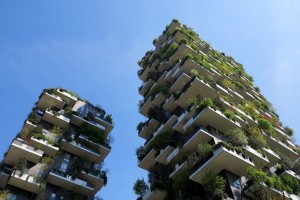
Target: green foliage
281 183
161 140
154 41
140 187
194 72
237 137
289 131
256 138
170 51
264 124
156 90
194 46
207 102
140 126
228 84
214 184
4 194
140 152
229 114
94 134
193 101
205 150
183 40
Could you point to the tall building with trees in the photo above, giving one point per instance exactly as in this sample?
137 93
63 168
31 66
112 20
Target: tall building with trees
59 152
209 132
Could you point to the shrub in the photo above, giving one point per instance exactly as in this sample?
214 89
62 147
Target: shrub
170 51
194 46
228 84
194 72
207 102
214 184
184 41
229 114
237 137
140 126
205 150
256 138
154 41
264 124
140 187
140 152
289 131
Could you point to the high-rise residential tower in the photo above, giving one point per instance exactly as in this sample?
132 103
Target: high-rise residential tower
210 134
59 152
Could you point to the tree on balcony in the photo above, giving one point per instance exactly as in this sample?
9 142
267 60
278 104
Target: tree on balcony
214 185
237 137
140 187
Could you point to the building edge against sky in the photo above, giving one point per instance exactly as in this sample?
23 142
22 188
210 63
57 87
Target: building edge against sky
59 152
209 132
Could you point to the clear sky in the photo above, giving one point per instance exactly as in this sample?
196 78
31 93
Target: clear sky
92 46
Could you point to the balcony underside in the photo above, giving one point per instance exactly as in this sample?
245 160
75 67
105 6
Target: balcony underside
76 185
214 118
157 194
24 182
222 159
57 120
162 157
95 180
50 100
198 87
16 152
148 129
81 151
148 161
45 146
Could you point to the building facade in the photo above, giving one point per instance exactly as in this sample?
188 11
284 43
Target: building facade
59 152
210 134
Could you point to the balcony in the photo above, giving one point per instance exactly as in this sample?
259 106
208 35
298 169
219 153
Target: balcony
150 127
146 86
28 125
5 172
158 99
76 185
19 149
46 99
169 104
258 159
148 161
197 87
179 83
156 194
56 119
146 104
181 166
103 123
104 149
94 179
190 64
272 193
79 120
24 181
214 118
164 127
81 150
178 124
191 143
182 51
143 73
45 146
282 147
237 98
272 156
72 99
162 155
223 158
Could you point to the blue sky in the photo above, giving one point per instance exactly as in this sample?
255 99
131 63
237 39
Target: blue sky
91 47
